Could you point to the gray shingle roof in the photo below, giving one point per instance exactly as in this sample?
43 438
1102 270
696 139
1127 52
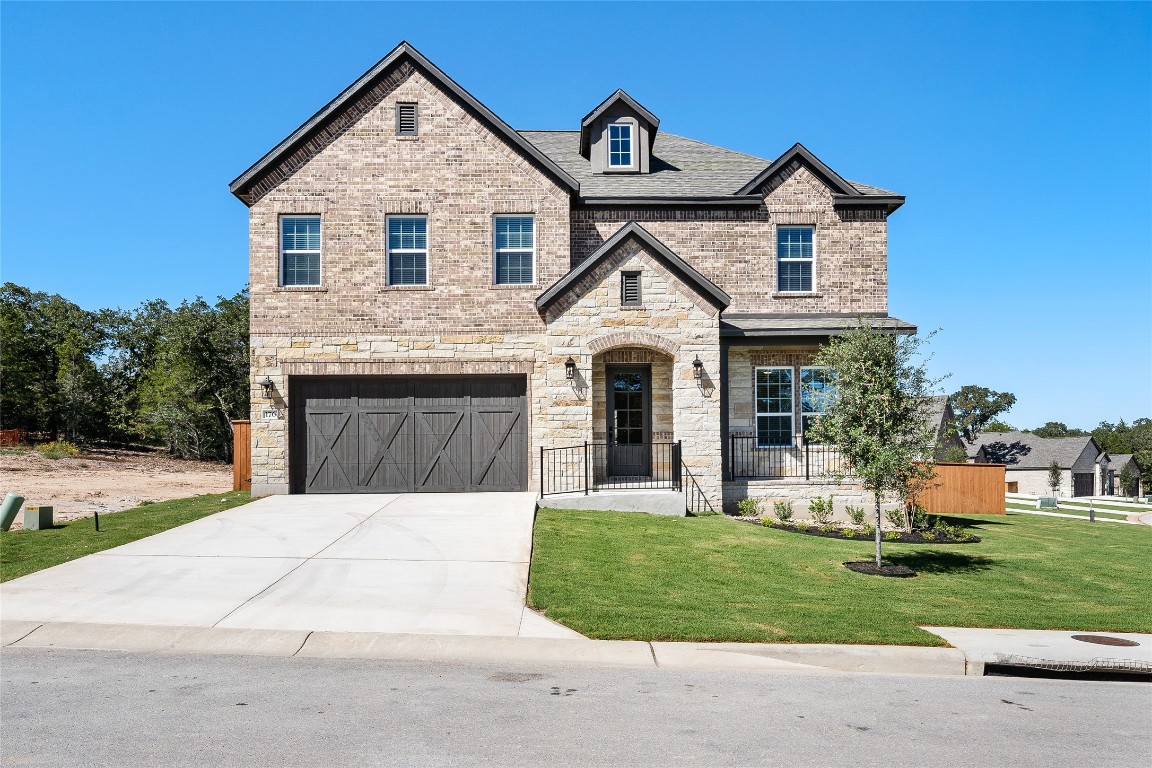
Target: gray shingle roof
1022 450
680 167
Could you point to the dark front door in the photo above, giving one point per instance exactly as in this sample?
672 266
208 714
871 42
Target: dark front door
391 434
629 415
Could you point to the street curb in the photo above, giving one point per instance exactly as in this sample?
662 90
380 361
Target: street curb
459 648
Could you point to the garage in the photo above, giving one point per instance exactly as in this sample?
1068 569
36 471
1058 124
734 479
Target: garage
1082 484
401 434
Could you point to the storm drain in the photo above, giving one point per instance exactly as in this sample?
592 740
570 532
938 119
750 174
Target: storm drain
1096 669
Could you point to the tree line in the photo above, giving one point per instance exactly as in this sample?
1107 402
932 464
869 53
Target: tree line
155 375
978 409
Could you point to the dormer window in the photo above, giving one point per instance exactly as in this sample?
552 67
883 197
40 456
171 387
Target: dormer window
620 145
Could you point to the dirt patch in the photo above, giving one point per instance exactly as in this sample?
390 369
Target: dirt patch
105 480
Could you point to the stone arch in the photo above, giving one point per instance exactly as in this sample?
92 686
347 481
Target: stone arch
633 339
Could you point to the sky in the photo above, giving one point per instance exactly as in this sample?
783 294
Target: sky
1021 135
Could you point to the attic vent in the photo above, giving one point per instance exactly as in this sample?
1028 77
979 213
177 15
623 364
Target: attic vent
405 119
630 288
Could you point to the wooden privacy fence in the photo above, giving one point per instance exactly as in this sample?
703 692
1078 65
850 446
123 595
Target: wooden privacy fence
965 489
9 437
242 455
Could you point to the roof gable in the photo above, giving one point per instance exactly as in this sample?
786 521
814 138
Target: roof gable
632 105
402 54
844 192
682 269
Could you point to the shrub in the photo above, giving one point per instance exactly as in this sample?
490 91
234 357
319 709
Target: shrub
820 509
829 528
782 510
919 517
928 535
868 530
801 525
849 533
748 507
856 515
767 522
892 536
57 449
895 518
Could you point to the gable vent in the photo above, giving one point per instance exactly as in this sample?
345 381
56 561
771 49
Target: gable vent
405 119
629 288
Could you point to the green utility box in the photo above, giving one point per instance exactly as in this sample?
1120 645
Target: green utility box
37 518
1046 502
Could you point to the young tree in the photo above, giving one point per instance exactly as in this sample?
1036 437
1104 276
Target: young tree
1055 476
976 406
877 416
1128 480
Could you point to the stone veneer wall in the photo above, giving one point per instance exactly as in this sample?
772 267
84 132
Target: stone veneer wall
736 249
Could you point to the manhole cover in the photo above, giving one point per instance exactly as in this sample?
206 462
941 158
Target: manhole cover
1104 640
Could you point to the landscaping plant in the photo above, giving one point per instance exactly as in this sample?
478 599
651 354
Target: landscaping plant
748 507
877 416
855 514
1054 477
782 510
820 509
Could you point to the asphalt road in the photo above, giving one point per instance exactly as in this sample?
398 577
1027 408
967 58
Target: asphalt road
104 708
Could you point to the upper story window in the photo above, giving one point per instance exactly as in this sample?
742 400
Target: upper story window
515 249
794 258
773 407
299 250
620 145
407 250
406 120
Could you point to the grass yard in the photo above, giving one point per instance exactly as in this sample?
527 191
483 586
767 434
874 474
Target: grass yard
23 552
636 576
1066 510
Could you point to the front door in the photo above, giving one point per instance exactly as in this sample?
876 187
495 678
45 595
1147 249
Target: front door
629 415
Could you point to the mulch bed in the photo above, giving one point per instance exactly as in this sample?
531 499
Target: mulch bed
887 569
916 537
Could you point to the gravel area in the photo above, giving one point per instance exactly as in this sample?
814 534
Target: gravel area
105 480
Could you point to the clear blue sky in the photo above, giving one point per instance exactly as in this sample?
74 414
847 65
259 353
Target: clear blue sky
1020 133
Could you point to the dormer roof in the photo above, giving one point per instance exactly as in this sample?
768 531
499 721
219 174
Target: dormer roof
637 109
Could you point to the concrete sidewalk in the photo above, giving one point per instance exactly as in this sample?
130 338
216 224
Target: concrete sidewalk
525 650
1042 646
408 563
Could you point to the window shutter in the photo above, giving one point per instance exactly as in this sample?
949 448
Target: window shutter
630 288
405 119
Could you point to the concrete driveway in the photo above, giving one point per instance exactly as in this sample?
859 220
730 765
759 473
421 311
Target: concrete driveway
452 564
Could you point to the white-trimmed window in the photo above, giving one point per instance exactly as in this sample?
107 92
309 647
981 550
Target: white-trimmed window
620 145
794 258
817 391
515 249
773 407
407 250
299 250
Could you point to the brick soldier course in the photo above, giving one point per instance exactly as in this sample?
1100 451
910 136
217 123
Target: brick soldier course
699 226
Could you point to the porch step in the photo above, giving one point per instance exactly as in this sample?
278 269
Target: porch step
642 500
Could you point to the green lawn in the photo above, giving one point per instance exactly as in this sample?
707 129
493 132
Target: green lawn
1066 510
636 576
22 552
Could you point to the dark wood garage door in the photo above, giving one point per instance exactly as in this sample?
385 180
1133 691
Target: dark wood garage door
1082 484
403 434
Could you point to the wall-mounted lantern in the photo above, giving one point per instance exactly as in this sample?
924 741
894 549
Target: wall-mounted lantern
697 368
268 385
570 369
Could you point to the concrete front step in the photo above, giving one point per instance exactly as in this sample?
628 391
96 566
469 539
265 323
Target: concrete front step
640 500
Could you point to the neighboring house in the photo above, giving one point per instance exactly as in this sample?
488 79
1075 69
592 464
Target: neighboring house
948 440
441 302
1028 459
1112 485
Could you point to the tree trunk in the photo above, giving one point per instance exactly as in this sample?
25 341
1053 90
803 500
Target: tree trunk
878 530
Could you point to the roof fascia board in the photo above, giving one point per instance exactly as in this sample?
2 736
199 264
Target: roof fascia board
403 49
799 151
729 201
703 285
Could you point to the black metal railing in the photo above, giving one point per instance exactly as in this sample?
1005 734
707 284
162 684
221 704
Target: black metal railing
600 466
747 459
695 502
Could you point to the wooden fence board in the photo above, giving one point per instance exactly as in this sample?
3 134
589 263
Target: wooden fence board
965 489
242 455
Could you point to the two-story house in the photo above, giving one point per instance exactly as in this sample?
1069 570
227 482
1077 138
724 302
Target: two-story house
440 302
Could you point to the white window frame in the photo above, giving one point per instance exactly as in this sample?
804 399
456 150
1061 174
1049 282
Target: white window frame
284 252
810 260
496 251
389 250
800 381
791 414
631 146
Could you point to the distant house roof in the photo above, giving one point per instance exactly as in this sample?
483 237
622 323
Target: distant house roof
1023 450
1121 460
